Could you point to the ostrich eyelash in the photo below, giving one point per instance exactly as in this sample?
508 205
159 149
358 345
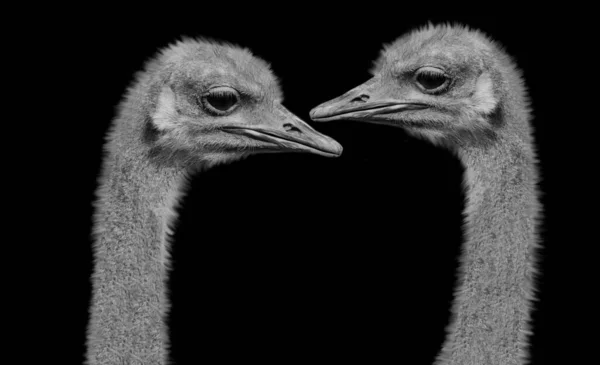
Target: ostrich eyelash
220 93
240 94
431 73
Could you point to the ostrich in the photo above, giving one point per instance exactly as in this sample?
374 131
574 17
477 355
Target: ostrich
455 87
197 104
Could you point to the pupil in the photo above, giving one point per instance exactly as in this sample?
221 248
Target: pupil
222 101
431 81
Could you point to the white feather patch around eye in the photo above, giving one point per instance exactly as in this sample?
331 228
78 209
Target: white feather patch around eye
483 99
164 116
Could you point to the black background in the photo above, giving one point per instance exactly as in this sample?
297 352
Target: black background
289 257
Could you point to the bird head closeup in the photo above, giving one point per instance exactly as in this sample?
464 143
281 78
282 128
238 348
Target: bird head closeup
220 102
434 82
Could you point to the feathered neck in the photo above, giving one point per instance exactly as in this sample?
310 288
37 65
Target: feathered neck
135 205
491 312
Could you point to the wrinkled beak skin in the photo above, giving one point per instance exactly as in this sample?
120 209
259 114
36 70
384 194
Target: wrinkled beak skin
369 102
290 134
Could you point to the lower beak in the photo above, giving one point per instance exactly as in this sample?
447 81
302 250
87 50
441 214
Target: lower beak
362 104
365 112
288 133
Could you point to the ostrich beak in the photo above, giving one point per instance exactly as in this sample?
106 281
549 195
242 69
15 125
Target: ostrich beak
289 134
364 103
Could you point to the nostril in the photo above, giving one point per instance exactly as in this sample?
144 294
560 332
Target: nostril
291 128
361 98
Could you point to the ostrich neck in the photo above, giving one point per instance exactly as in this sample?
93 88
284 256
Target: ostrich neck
135 203
492 305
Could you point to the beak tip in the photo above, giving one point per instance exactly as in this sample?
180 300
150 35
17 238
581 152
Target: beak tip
336 148
317 114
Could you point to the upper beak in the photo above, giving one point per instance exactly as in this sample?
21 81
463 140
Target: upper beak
289 134
363 103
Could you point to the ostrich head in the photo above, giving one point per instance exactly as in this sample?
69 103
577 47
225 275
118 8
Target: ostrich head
438 82
217 102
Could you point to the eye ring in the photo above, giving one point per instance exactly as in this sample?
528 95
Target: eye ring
220 100
432 80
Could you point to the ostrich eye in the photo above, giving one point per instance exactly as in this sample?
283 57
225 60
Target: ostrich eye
432 79
221 100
